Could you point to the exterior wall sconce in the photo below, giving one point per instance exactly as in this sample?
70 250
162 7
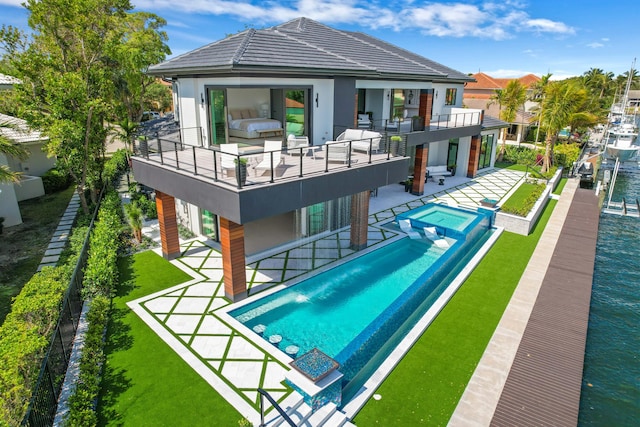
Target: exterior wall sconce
201 98
316 99
388 94
410 96
436 94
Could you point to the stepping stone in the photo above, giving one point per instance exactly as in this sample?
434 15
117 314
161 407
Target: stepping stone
50 260
259 329
61 234
66 228
64 223
56 245
41 266
51 252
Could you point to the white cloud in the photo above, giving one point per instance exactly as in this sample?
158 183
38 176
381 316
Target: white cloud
548 26
16 3
595 45
490 20
508 74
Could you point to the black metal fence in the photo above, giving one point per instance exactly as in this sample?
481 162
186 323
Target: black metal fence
44 400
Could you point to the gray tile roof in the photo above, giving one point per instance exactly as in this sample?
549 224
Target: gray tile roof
307 47
490 122
18 131
8 80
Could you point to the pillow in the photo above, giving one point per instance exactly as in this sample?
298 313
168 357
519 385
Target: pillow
253 114
236 114
246 114
363 117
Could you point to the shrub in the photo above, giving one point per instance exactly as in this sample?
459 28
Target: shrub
522 201
25 336
115 167
566 154
101 273
81 402
55 180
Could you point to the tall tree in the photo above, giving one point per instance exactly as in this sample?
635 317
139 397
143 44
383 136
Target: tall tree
537 95
562 100
68 72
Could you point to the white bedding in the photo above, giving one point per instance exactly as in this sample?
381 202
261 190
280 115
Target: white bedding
251 125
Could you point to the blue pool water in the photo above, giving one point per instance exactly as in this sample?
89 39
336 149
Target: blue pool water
357 312
440 216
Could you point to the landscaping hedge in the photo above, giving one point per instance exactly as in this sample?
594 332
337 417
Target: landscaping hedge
55 180
517 206
24 338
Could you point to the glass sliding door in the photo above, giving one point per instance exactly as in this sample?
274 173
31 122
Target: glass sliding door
217 116
209 224
296 117
452 155
486 151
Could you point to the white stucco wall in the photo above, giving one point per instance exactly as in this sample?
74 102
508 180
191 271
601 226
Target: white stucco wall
193 113
9 208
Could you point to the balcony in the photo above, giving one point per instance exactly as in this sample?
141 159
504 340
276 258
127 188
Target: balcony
298 178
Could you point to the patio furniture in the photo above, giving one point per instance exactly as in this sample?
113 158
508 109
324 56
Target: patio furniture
337 151
228 157
364 121
438 171
272 156
432 234
299 145
361 140
405 225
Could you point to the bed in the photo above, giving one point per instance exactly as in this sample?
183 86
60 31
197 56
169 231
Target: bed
246 124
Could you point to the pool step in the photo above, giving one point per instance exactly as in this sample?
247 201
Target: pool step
300 413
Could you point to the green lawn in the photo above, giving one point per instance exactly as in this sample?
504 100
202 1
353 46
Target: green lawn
425 387
145 382
560 187
22 246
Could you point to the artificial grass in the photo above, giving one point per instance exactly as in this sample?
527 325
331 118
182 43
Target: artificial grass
145 383
427 384
560 187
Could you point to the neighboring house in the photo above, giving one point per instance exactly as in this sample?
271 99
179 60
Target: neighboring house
310 80
32 168
478 95
7 82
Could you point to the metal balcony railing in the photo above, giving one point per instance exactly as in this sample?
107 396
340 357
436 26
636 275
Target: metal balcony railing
254 166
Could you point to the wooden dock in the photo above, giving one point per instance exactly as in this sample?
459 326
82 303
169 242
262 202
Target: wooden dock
531 371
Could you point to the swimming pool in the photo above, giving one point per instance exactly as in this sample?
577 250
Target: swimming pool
446 219
359 311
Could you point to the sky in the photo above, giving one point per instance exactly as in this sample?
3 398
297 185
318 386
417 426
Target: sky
503 38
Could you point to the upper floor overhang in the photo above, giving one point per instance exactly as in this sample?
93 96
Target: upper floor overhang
194 175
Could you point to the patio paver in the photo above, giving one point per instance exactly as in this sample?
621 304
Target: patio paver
186 316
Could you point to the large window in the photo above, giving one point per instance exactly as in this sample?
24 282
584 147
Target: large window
217 118
397 106
450 97
486 150
452 154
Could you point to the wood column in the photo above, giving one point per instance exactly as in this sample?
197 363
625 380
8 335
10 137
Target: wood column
359 220
420 169
233 259
169 237
426 106
474 156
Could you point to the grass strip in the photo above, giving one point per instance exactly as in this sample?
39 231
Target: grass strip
427 384
145 382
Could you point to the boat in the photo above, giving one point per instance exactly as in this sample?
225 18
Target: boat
622 136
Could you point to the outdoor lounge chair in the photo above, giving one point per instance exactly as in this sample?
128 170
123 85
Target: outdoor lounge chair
337 151
431 234
228 157
272 156
405 225
295 143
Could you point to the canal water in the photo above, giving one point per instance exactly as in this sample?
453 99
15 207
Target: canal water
611 378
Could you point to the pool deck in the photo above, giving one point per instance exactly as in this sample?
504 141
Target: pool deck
531 371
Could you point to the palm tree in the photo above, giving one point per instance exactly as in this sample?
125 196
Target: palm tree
515 96
537 95
9 148
562 100
499 97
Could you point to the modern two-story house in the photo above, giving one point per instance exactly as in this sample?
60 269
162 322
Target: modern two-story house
368 114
